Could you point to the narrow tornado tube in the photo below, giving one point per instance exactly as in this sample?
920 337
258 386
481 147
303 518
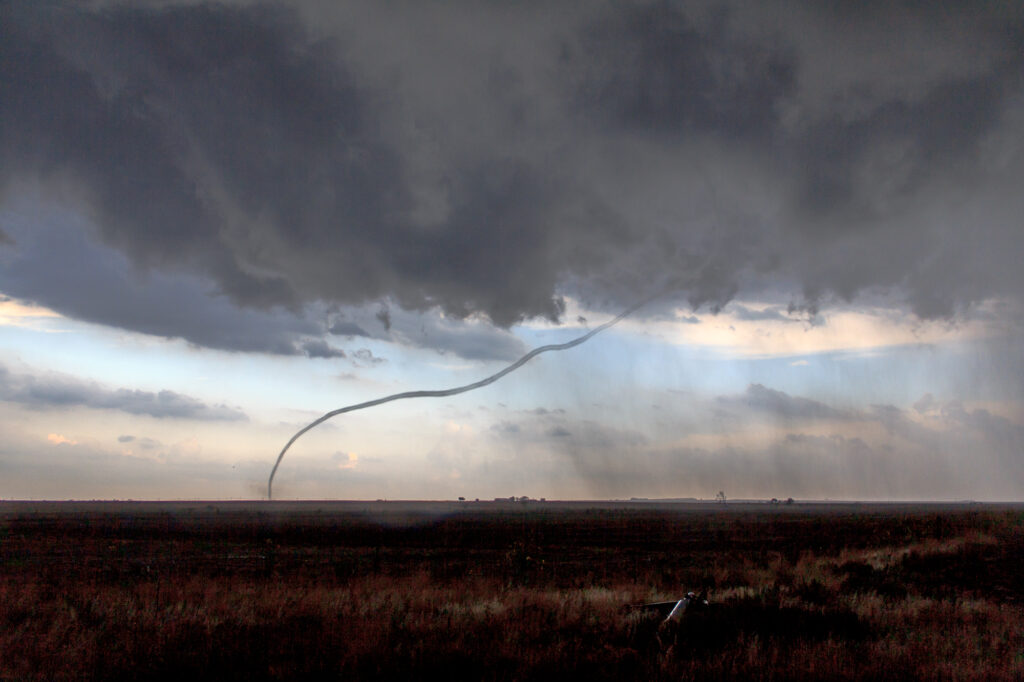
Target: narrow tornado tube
451 391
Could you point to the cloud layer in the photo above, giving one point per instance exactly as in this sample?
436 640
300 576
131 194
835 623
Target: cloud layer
490 159
54 391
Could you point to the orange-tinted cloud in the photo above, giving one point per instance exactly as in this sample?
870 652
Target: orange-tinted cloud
58 439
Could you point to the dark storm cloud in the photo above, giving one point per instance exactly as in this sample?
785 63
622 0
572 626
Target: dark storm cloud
488 159
95 94
384 317
343 328
56 391
862 183
928 134
651 68
54 263
470 339
224 140
320 349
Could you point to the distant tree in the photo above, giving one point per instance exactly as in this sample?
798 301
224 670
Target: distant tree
461 498
720 497
789 500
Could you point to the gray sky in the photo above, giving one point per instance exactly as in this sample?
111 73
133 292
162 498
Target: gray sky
362 199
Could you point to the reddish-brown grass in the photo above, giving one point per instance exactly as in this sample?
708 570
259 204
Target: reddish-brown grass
933 595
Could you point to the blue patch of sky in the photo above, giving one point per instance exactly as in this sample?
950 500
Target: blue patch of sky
615 361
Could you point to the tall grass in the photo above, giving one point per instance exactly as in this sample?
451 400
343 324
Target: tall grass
824 616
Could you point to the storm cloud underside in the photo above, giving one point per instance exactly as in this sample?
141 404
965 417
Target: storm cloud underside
489 160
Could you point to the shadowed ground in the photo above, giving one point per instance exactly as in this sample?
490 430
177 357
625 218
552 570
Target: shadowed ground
508 591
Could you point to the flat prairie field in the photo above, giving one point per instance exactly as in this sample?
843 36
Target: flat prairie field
510 590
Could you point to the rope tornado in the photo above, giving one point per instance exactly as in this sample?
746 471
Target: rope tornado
450 391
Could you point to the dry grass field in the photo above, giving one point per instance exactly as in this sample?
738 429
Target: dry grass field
503 591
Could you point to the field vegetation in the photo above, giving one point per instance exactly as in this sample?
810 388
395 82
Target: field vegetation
509 592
